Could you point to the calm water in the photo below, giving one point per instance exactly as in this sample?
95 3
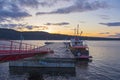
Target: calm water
105 64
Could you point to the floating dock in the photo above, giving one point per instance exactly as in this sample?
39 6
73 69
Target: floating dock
51 62
43 66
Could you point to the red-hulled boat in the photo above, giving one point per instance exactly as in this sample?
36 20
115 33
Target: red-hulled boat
79 49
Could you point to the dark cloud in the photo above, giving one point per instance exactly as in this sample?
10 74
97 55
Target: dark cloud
30 3
43 28
17 9
12 14
111 24
37 3
48 3
78 6
30 27
60 24
23 26
106 17
10 9
105 33
11 25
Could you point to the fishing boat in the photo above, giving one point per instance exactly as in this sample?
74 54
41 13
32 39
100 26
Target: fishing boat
78 47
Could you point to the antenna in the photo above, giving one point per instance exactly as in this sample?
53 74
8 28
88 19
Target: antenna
81 33
77 29
74 31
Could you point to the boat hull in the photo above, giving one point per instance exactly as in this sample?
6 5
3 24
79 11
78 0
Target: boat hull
80 53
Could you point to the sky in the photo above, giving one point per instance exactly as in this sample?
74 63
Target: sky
99 18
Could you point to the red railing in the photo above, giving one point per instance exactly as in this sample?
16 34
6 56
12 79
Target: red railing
14 47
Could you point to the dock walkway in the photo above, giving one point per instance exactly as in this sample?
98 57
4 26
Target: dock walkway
13 50
60 51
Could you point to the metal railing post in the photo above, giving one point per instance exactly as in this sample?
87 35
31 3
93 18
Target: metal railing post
11 46
30 48
26 48
20 46
34 48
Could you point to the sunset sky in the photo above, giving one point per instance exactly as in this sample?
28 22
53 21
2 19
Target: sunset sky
99 18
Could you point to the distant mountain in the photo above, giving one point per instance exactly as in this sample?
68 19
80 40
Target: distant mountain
36 35
9 34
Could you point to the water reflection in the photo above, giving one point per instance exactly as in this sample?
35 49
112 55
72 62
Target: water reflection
34 76
50 71
38 73
36 69
81 64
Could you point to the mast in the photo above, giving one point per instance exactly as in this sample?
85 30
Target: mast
74 31
81 33
78 29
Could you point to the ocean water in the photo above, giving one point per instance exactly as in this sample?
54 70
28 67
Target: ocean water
105 64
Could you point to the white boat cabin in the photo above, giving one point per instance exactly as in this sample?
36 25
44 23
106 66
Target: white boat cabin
76 42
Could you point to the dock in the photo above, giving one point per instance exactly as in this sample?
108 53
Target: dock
51 62
60 62
45 66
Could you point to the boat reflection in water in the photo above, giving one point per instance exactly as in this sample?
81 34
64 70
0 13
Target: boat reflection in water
83 63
